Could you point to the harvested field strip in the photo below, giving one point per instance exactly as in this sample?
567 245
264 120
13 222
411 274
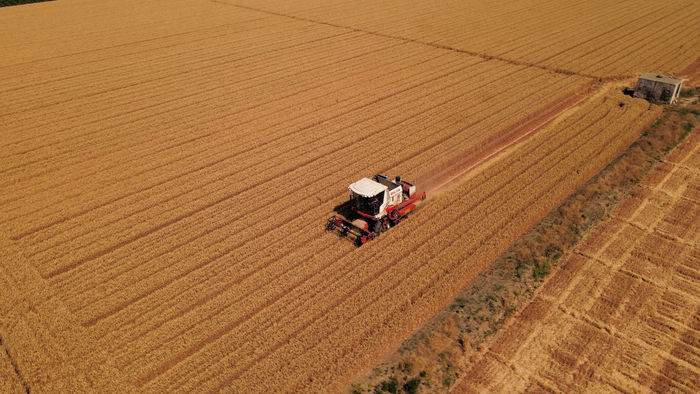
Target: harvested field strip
639 301
451 172
361 324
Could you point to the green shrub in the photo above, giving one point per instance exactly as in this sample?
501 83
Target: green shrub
540 270
448 381
390 386
411 387
689 92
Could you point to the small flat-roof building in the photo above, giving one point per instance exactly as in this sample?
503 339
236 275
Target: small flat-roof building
655 87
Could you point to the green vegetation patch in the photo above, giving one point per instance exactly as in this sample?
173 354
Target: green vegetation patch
690 92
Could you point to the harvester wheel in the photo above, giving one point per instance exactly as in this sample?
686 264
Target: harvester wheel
377 227
385 224
394 215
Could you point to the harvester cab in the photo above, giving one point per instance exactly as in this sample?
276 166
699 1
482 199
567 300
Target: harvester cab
379 203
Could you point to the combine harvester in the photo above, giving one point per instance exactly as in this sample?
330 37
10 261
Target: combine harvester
380 204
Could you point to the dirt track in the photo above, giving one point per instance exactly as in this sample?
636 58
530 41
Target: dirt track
454 171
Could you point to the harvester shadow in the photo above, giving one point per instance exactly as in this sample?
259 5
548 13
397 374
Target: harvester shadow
345 210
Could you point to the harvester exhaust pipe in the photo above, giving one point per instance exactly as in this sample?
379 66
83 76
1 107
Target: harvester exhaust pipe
398 179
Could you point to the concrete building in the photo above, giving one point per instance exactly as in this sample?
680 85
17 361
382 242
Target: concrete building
661 88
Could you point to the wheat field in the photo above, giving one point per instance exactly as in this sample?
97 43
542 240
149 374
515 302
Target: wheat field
168 168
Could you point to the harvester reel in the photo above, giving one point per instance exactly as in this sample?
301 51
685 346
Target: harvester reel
332 224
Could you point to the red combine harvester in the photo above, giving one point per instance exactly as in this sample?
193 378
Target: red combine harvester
379 204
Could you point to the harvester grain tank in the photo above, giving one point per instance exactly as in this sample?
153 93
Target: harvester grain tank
378 203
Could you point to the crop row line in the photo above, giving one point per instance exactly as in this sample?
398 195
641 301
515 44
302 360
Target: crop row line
274 185
286 165
434 45
443 238
441 222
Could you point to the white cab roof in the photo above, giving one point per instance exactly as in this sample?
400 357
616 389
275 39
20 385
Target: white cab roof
367 187
661 78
